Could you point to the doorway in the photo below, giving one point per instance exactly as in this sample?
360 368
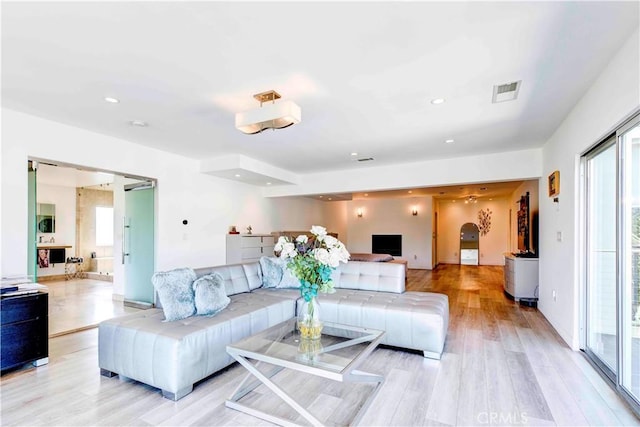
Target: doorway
86 282
469 244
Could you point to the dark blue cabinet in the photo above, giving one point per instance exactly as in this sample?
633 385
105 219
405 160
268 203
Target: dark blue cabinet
24 330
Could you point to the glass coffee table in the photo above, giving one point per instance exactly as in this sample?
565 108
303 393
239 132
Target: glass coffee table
335 356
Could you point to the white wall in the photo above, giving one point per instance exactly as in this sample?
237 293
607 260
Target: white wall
451 216
210 204
65 200
393 216
613 96
336 219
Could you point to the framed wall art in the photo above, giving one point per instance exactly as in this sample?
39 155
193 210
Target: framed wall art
554 184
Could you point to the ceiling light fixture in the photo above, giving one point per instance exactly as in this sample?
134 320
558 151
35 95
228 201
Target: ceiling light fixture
139 123
111 100
437 101
448 141
471 199
270 116
237 175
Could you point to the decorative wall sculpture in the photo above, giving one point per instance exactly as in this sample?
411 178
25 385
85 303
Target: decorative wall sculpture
484 221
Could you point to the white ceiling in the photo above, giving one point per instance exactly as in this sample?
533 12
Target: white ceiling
363 73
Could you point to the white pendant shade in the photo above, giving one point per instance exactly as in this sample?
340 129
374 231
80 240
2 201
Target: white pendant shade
269 116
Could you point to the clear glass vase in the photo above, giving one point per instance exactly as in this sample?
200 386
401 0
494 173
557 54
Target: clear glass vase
309 323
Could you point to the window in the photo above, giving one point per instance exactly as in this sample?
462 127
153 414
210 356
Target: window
104 226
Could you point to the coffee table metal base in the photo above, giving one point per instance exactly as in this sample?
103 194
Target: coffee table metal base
254 378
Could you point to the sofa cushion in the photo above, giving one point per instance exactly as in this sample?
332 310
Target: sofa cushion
370 276
238 278
290 293
416 320
210 296
175 292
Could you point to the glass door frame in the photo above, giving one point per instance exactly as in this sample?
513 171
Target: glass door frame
622 249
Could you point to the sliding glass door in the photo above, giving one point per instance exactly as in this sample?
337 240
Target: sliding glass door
612 245
601 257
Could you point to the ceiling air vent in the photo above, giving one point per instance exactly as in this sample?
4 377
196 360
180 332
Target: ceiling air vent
506 92
366 159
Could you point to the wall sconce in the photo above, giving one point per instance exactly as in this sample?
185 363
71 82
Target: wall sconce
359 212
414 211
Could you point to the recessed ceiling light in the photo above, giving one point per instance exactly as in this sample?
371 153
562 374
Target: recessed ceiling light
330 198
237 175
111 100
453 201
437 101
366 194
448 141
409 191
268 183
354 154
490 199
138 123
321 197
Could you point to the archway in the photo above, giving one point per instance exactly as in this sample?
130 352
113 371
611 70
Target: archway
469 244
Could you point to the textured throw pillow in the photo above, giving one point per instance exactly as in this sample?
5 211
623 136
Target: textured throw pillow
210 295
175 292
271 271
288 279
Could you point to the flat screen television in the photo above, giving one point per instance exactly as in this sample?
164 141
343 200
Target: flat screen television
387 244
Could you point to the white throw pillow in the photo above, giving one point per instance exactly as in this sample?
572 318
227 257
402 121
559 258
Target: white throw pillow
175 292
210 295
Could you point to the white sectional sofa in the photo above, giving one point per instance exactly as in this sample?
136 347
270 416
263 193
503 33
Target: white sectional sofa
172 356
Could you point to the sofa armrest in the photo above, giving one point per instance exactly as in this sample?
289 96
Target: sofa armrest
370 276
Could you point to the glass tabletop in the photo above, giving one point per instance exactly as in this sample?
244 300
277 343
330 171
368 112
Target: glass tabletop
337 351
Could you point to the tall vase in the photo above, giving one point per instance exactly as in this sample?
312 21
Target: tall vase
309 323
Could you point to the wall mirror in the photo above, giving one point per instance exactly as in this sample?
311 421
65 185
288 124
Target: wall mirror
46 218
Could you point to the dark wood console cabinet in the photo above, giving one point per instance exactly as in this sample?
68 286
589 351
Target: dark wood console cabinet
24 330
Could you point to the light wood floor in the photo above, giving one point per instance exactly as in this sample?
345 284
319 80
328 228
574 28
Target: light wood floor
503 365
81 303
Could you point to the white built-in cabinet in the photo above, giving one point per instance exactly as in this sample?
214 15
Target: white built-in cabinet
248 247
520 276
